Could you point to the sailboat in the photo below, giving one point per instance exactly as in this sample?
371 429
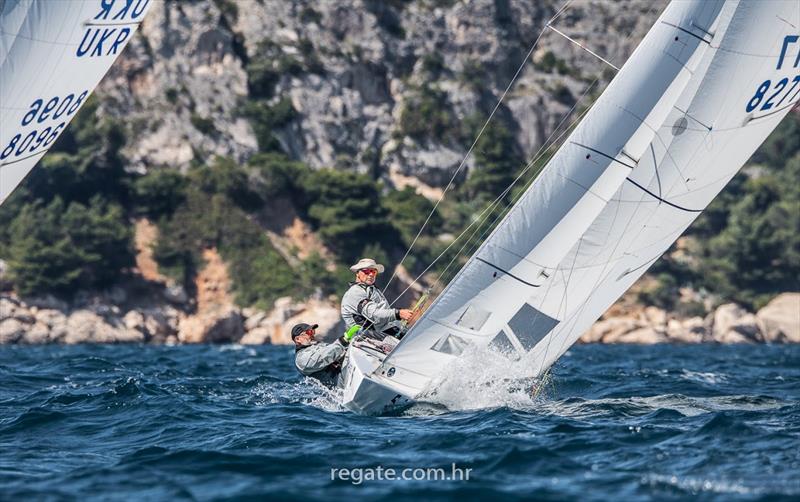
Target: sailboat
52 56
704 88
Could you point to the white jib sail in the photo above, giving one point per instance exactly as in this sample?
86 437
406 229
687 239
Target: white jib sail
53 53
702 91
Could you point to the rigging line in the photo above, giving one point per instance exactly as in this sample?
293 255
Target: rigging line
479 219
475 142
536 157
539 155
581 46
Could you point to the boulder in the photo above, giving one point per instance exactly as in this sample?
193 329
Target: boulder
724 319
732 336
134 320
11 330
609 330
159 324
690 330
747 326
38 334
24 316
254 320
223 325
643 336
8 308
50 317
779 320
85 326
733 324
655 316
259 335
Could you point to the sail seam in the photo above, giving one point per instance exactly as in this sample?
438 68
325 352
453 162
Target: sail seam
665 201
523 281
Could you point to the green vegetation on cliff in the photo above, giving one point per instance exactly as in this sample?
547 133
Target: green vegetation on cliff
69 226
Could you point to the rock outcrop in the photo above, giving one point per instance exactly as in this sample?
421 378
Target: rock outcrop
96 320
779 320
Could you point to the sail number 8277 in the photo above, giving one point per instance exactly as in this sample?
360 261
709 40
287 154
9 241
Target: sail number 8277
779 88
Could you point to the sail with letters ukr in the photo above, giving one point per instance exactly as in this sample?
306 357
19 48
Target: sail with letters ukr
53 53
704 88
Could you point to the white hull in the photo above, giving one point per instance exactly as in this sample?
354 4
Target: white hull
363 391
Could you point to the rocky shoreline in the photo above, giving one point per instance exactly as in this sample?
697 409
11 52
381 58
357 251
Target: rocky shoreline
49 320
97 319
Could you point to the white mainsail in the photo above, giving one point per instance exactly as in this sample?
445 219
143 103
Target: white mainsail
705 87
53 53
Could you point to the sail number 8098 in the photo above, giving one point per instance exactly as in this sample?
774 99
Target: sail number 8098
40 112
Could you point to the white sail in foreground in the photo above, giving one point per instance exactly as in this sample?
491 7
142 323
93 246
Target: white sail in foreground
53 53
702 91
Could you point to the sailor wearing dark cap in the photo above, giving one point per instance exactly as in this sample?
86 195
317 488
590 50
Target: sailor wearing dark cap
315 359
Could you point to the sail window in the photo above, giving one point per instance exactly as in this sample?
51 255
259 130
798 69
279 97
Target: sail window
473 318
502 344
450 344
530 326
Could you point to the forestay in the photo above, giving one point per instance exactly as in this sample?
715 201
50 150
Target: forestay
702 91
52 56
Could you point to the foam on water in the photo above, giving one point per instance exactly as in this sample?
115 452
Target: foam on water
487 378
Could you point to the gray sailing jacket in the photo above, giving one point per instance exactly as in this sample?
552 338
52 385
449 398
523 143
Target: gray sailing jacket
364 305
321 361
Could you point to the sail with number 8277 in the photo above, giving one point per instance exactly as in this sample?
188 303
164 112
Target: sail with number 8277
704 88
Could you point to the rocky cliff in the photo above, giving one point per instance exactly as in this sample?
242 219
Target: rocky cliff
350 70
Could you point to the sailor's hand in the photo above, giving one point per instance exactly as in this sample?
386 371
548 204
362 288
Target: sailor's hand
405 314
353 331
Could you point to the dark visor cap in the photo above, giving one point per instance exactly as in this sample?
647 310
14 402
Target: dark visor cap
299 329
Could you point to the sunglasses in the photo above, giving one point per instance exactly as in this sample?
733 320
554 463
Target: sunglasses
369 271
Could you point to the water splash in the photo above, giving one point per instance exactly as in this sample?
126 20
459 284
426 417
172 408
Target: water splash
308 391
484 377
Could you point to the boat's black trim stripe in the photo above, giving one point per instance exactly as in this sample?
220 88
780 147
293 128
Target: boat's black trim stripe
506 272
604 155
665 201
